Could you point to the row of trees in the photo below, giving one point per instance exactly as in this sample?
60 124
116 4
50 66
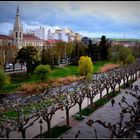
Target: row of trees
68 97
99 51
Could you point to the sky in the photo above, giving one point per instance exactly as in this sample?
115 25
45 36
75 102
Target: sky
89 18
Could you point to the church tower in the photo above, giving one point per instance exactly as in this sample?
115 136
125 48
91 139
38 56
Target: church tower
18 31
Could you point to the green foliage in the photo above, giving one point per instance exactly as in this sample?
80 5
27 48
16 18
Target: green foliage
121 54
4 79
29 55
85 65
104 45
130 59
79 49
42 72
89 76
114 53
86 111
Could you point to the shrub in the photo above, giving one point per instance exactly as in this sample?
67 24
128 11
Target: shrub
33 88
85 65
129 59
4 79
42 72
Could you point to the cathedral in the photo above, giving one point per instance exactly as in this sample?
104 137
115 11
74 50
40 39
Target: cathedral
18 38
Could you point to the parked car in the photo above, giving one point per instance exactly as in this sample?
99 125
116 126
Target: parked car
9 66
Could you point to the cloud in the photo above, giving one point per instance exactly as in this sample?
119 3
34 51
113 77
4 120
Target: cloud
5 28
85 16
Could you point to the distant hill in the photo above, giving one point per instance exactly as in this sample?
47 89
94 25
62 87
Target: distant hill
126 39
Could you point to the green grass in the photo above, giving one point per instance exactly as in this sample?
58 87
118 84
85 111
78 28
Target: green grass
78 118
55 131
17 79
97 65
64 71
73 70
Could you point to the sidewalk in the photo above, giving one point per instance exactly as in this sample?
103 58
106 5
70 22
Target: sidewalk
105 113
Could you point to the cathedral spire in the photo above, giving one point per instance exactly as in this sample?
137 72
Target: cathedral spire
17 10
17 20
18 30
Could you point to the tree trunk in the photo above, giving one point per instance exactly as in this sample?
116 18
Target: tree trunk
80 109
7 133
101 95
113 91
124 83
23 133
49 128
107 90
91 102
67 117
119 87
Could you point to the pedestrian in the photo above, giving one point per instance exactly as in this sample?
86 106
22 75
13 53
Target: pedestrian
112 102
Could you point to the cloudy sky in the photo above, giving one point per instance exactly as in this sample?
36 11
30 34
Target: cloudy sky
89 18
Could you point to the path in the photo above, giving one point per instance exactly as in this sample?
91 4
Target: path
105 113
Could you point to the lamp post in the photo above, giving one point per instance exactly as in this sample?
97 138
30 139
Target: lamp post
88 98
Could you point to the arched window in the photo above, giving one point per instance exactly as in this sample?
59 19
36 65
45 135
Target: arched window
16 34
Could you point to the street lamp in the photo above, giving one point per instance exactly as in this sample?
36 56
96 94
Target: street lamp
88 97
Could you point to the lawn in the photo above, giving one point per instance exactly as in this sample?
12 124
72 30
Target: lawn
55 131
73 70
19 78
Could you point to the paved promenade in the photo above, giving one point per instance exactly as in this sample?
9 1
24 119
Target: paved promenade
106 113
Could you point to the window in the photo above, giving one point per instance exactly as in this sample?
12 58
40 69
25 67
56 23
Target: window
20 34
16 34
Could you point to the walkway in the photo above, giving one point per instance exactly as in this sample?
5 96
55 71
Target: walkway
106 113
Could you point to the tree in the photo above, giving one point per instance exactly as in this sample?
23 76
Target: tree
123 53
80 96
47 114
103 48
69 100
129 59
120 54
4 79
96 52
61 47
29 55
113 53
42 72
79 49
85 65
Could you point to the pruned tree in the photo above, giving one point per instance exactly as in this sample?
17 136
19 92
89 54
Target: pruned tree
69 100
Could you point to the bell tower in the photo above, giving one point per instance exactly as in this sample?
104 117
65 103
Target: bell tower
18 30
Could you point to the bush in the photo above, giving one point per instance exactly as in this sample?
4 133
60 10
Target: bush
4 79
85 66
42 72
129 59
